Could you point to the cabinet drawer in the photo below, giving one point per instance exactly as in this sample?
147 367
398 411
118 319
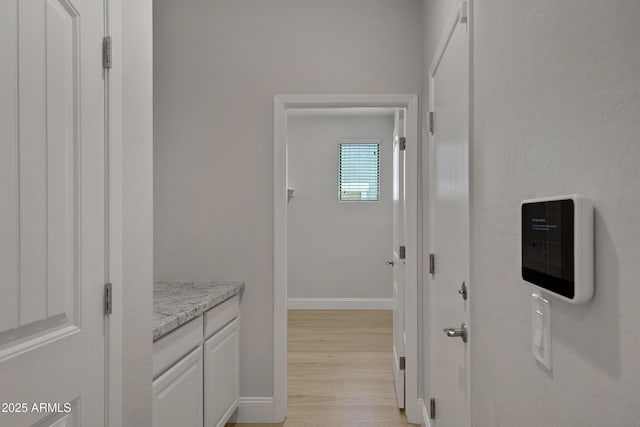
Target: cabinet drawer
217 317
169 349
178 393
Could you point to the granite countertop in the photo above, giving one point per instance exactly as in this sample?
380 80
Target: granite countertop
176 303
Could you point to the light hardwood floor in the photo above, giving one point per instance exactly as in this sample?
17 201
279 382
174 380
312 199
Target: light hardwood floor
340 372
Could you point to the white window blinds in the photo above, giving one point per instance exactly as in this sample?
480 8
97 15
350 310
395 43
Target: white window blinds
358 171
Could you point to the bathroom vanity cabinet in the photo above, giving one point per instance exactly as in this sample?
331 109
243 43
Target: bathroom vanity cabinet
195 368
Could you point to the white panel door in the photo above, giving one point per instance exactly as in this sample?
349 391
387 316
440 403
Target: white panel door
449 203
52 212
398 262
177 394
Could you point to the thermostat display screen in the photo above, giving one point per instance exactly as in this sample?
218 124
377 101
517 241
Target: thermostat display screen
548 245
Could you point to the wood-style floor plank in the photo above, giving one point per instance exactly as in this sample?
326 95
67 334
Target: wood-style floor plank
340 370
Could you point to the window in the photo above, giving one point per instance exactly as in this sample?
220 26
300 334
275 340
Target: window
358 171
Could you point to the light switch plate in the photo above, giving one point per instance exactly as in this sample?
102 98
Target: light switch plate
541 329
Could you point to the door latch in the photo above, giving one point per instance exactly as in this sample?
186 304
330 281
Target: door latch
463 291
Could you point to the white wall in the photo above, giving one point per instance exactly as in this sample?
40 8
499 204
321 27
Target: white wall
557 110
337 249
220 64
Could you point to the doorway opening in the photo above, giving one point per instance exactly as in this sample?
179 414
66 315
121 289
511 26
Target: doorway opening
365 155
339 216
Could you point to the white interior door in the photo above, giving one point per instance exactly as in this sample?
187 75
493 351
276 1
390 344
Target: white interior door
449 200
52 213
398 261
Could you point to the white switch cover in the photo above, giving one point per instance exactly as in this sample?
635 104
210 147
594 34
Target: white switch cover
541 329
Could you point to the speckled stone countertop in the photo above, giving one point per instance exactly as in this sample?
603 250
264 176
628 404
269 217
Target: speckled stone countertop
176 303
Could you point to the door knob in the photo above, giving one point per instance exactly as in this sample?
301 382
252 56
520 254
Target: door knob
391 263
457 332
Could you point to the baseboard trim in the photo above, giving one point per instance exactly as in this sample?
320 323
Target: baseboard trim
340 304
425 421
254 410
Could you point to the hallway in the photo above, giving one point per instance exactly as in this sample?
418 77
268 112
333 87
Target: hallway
340 371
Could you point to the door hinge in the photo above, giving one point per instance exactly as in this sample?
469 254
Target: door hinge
402 363
108 299
432 408
403 252
106 52
464 12
432 263
403 143
431 122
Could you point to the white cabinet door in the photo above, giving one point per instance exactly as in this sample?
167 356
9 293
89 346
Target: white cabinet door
53 212
221 375
177 394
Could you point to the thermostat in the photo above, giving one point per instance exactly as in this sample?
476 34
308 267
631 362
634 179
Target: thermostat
557 246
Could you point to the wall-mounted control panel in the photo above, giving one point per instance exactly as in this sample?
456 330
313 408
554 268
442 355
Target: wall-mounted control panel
557 246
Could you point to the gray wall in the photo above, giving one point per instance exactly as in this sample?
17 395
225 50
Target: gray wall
220 64
137 156
337 249
557 110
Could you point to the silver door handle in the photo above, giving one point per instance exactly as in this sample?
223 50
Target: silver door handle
457 332
391 263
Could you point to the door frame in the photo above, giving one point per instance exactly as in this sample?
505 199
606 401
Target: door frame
461 14
113 333
281 104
